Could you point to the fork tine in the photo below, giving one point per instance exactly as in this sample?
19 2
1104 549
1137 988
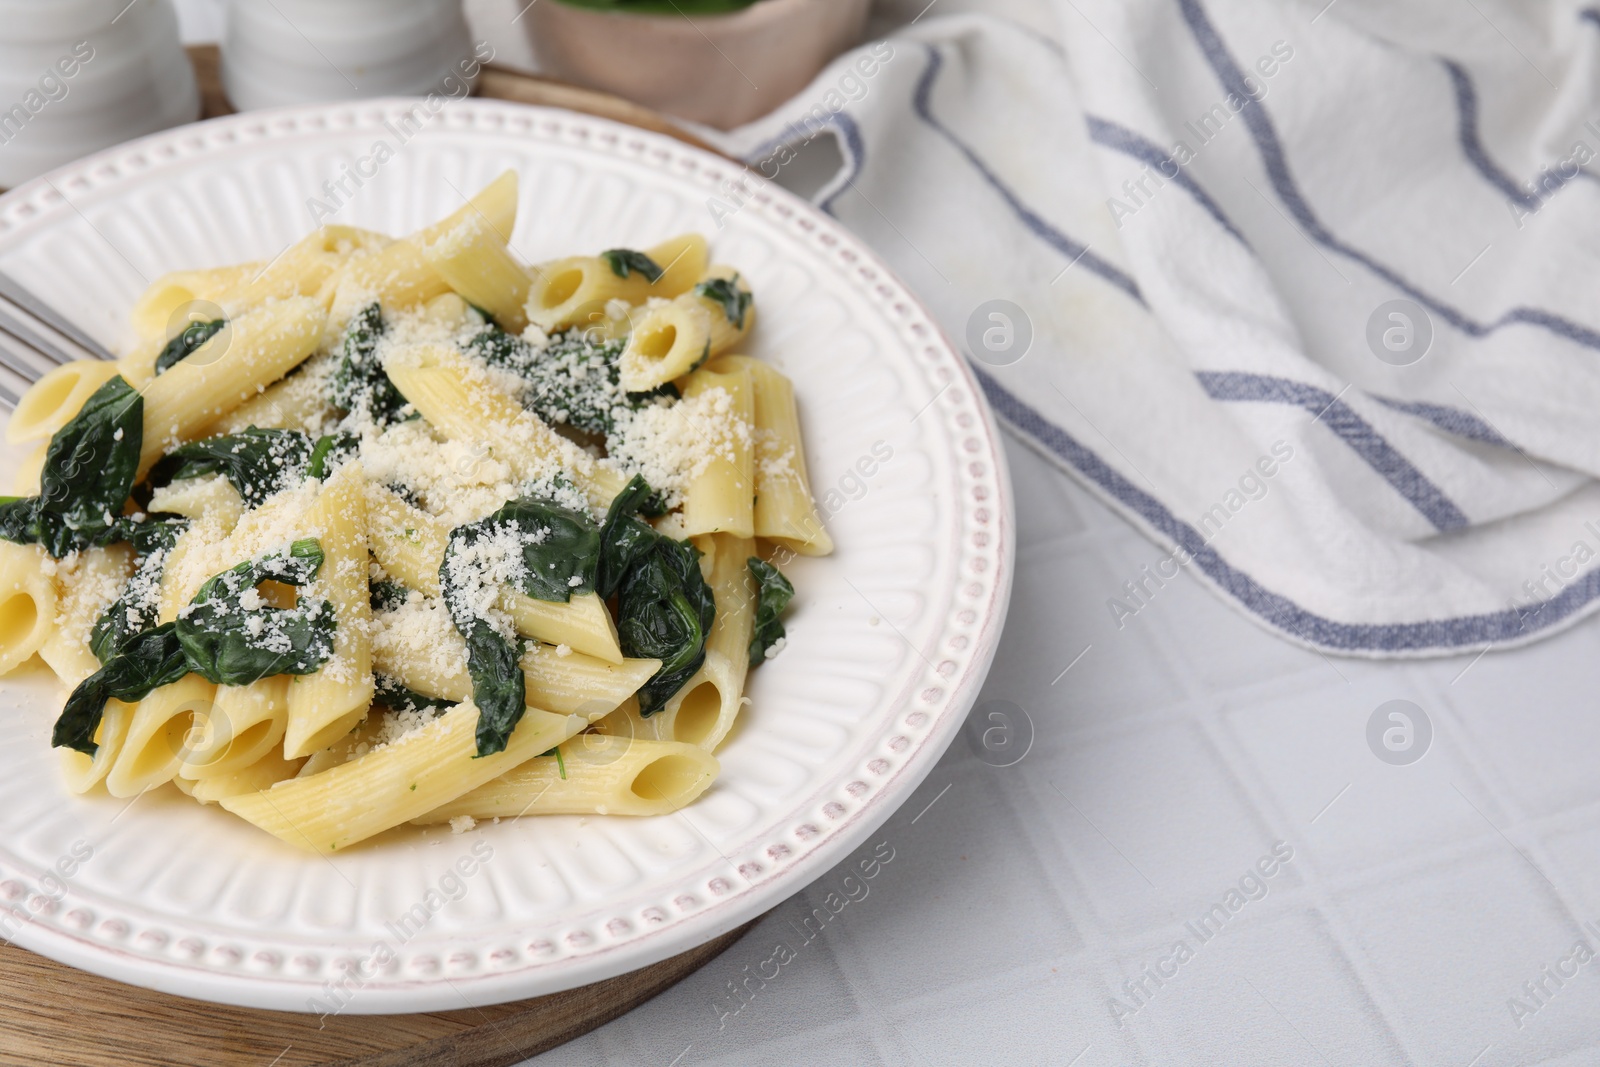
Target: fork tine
28 338
23 361
13 291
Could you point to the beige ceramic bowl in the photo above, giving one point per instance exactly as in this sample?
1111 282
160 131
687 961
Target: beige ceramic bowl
722 70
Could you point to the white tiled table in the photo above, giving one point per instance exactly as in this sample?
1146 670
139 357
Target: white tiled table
1165 763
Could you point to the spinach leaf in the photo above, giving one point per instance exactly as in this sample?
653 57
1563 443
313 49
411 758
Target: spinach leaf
393 694
358 382
624 261
573 381
183 345
493 659
624 539
136 609
330 451
665 611
88 473
559 545
151 660
257 462
231 638
725 291
664 606
773 593
386 595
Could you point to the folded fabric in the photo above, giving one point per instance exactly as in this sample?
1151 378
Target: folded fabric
1307 291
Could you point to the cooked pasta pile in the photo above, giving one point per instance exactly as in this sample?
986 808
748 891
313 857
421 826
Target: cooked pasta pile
390 531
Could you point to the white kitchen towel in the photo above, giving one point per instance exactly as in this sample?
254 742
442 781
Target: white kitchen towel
1307 290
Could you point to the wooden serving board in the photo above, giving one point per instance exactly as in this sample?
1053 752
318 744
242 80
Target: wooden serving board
52 1013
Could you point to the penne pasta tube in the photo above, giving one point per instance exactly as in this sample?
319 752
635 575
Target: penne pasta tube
87 585
721 497
567 292
356 742
325 705
459 400
195 498
395 783
307 268
246 723
158 734
26 480
784 510
731 321
397 276
293 403
474 261
52 401
28 603
596 775
495 205
682 260
264 773
703 712
574 684
83 772
249 354
154 312
409 544
667 342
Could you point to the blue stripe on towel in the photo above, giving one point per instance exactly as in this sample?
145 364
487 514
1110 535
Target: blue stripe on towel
1275 162
1449 419
1273 609
1349 427
1073 250
851 143
1472 145
1112 135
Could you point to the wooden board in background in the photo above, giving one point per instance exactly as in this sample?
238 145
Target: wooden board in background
54 1014
496 83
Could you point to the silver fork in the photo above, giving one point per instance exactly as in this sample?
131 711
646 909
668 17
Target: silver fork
35 339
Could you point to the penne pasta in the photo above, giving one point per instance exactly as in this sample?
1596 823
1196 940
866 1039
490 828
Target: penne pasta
409 544
784 511
596 775
721 498
459 399
264 773
395 783
28 603
702 713
246 723
384 483
667 343
87 586
50 402
158 736
474 261
83 772
568 292
249 354
325 705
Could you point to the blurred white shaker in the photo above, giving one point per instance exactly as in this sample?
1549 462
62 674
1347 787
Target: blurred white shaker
280 52
80 75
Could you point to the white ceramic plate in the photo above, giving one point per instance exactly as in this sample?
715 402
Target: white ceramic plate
889 639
